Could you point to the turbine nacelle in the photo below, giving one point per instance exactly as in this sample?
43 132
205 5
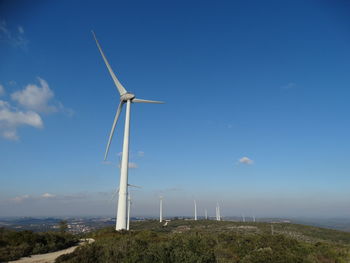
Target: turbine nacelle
127 96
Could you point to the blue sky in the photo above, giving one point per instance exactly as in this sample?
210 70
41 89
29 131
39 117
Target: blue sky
256 114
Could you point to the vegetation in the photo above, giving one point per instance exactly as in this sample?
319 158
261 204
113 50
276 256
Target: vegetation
17 244
210 241
63 226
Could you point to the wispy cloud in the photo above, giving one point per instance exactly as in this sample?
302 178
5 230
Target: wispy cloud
140 154
132 165
48 195
15 38
12 83
2 90
288 86
20 29
19 199
173 189
245 160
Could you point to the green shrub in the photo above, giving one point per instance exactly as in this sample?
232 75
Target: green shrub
193 246
17 244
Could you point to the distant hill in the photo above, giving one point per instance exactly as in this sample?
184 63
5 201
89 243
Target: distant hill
212 241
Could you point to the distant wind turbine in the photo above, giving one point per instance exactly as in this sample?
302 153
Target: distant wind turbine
125 98
129 205
195 210
218 216
219 213
161 209
206 214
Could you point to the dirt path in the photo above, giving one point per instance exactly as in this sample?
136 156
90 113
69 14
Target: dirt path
51 257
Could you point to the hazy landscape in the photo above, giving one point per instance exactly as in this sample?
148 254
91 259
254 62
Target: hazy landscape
78 225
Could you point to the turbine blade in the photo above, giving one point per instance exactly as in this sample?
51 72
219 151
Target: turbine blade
113 127
120 87
114 194
131 185
147 101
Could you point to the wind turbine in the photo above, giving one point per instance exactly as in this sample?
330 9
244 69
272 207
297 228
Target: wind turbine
206 214
195 210
218 216
125 98
219 213
161 209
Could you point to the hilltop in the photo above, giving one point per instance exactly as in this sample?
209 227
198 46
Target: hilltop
212 241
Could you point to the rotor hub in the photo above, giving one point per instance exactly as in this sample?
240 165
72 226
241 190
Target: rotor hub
127 96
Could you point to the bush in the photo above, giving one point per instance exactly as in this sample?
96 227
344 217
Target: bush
150 246
14 245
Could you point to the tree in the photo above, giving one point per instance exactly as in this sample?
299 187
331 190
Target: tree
63 226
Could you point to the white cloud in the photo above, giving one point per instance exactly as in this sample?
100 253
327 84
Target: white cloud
35 97
140 154
10 135
12 83
11 118
15 39
20 29
290 85
245 160
19 199
3 28
67 111
2 90
47 195
131 165
31 101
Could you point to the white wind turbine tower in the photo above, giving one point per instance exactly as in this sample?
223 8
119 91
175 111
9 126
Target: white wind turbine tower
129 207
206 214
218 216
129 204
125 98
219 213
195 210
161 209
